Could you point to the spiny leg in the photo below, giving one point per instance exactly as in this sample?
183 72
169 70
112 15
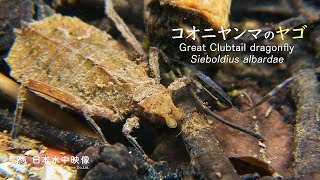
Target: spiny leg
95 126
124 30
170 64
154 63
18 111
130 124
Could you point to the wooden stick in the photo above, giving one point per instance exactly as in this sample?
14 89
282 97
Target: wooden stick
305 92
42 109
206 153
49 135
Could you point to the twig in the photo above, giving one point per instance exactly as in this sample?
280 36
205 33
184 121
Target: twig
42 109
44 132
205 152
305 90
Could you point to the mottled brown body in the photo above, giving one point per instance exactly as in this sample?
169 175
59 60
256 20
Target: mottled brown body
78 66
